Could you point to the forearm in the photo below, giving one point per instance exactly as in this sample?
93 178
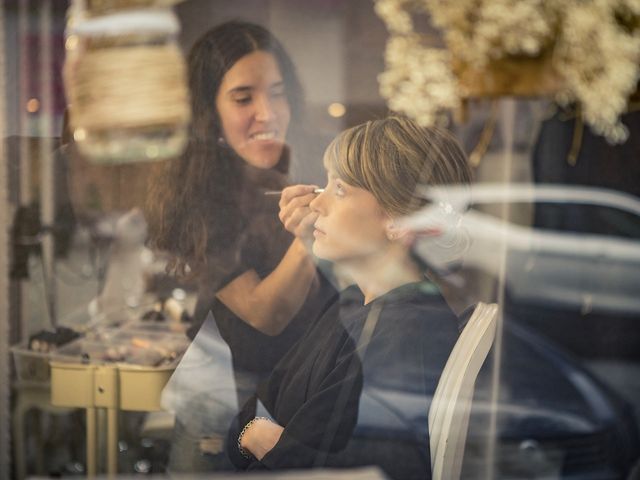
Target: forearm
280 295
270 303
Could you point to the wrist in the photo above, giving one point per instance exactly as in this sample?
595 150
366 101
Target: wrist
299 246
302 248
244 439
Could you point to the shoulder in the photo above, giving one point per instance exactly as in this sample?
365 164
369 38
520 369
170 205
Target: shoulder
418 309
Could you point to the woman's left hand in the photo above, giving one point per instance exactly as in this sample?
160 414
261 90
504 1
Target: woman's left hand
261 437
295 213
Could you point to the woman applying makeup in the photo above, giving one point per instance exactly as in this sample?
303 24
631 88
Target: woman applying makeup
391 332
209 212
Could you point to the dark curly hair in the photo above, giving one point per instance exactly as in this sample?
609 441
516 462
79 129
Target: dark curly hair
194 207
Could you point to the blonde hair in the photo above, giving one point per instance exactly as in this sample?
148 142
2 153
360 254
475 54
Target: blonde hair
393 156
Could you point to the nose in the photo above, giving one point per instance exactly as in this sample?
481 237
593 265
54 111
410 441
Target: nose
317 205
264 109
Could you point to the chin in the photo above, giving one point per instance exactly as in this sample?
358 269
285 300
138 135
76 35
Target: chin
319 252
265 160
331 255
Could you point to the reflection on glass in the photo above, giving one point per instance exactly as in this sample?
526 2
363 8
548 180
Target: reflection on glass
355 390
209 212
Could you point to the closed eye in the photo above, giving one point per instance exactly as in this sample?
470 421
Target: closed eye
241 95
244 100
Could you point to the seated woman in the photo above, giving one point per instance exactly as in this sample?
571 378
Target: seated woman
346 394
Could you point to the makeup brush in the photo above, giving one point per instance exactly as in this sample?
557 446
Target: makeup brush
279 192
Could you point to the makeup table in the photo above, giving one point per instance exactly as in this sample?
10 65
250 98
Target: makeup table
109 386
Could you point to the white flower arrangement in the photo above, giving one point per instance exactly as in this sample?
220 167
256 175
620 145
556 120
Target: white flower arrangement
593 46
419 92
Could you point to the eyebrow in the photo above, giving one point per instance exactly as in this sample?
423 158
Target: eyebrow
248 88
241 89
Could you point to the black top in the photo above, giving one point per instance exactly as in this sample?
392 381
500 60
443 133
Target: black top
260 247
356 389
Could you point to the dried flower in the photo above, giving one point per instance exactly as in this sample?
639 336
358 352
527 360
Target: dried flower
595 48
599 64
396 15
417 80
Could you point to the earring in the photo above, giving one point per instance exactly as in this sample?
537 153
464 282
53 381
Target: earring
391 236
221 141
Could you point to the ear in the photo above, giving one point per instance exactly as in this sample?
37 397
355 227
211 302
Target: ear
396 232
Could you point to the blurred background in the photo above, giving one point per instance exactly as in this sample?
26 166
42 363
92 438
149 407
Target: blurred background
555 241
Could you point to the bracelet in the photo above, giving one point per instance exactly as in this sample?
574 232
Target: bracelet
242 451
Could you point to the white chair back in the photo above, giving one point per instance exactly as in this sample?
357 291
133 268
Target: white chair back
451 405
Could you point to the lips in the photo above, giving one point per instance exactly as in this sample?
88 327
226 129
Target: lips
317 231
269 135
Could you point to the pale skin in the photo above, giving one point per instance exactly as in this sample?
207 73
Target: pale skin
255 114
295 211
261 437
352 230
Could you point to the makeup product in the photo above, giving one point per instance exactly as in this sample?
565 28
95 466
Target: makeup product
279 192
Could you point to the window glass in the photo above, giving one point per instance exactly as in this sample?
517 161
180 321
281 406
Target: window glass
571 217
283 235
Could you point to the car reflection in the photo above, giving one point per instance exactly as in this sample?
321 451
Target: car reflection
578 247
553 418
568 257
568 261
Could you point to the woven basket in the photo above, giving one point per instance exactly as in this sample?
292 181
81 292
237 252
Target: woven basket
102 7
512 76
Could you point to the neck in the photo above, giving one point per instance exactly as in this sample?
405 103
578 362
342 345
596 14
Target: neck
379 274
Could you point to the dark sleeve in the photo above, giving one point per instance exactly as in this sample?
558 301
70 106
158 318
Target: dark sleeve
247 413
323 424
208 286
247 252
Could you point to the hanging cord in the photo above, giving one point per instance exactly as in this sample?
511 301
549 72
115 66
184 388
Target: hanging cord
576 142
578 132
485 137
633 106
